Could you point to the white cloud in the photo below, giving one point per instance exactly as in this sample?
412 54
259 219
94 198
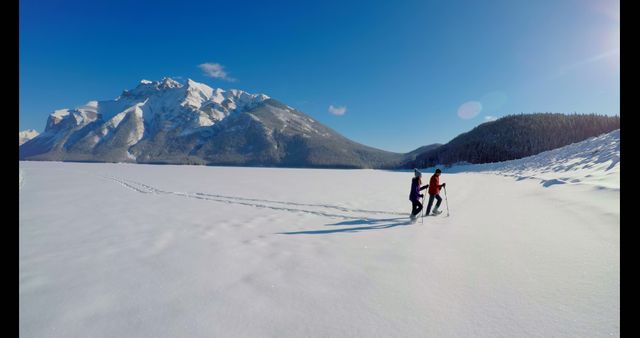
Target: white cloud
215 70
490 118
469 110
338 111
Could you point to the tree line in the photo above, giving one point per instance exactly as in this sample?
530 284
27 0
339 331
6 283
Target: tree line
517 136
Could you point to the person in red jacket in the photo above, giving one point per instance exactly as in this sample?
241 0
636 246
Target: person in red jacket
434 192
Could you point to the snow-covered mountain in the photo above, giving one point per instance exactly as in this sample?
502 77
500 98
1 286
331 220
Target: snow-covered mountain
26 135
169 122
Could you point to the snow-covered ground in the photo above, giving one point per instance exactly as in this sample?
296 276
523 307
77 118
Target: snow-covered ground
124 250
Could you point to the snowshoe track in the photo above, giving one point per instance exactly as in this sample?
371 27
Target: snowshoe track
254 202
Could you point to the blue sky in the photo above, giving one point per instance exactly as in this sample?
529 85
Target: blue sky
391 74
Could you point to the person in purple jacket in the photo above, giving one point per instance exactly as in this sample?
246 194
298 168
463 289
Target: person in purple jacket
415 195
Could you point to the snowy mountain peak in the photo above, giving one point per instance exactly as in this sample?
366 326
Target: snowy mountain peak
29 132
91 105
60 113
192 83
194 86
168 82
26 135
154 106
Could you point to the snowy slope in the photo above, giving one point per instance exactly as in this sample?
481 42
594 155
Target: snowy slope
182 251
26 135
595 161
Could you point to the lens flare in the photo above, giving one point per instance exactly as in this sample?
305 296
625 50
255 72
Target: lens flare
469 109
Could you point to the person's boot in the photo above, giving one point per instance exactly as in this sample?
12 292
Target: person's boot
436 211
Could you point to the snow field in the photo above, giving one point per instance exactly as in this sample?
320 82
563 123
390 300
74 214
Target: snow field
167 251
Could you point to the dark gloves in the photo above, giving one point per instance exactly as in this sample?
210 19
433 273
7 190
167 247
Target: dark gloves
442 185
421 195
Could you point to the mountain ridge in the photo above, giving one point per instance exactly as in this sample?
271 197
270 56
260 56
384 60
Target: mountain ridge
168 122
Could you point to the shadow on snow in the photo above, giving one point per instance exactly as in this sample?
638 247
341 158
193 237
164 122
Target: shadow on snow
372 224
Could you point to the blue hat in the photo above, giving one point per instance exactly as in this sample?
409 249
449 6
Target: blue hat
417 173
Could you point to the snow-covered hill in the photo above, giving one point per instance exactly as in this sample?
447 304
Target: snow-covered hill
517 136
595 161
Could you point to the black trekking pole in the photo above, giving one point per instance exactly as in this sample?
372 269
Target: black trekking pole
422 219
446 200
